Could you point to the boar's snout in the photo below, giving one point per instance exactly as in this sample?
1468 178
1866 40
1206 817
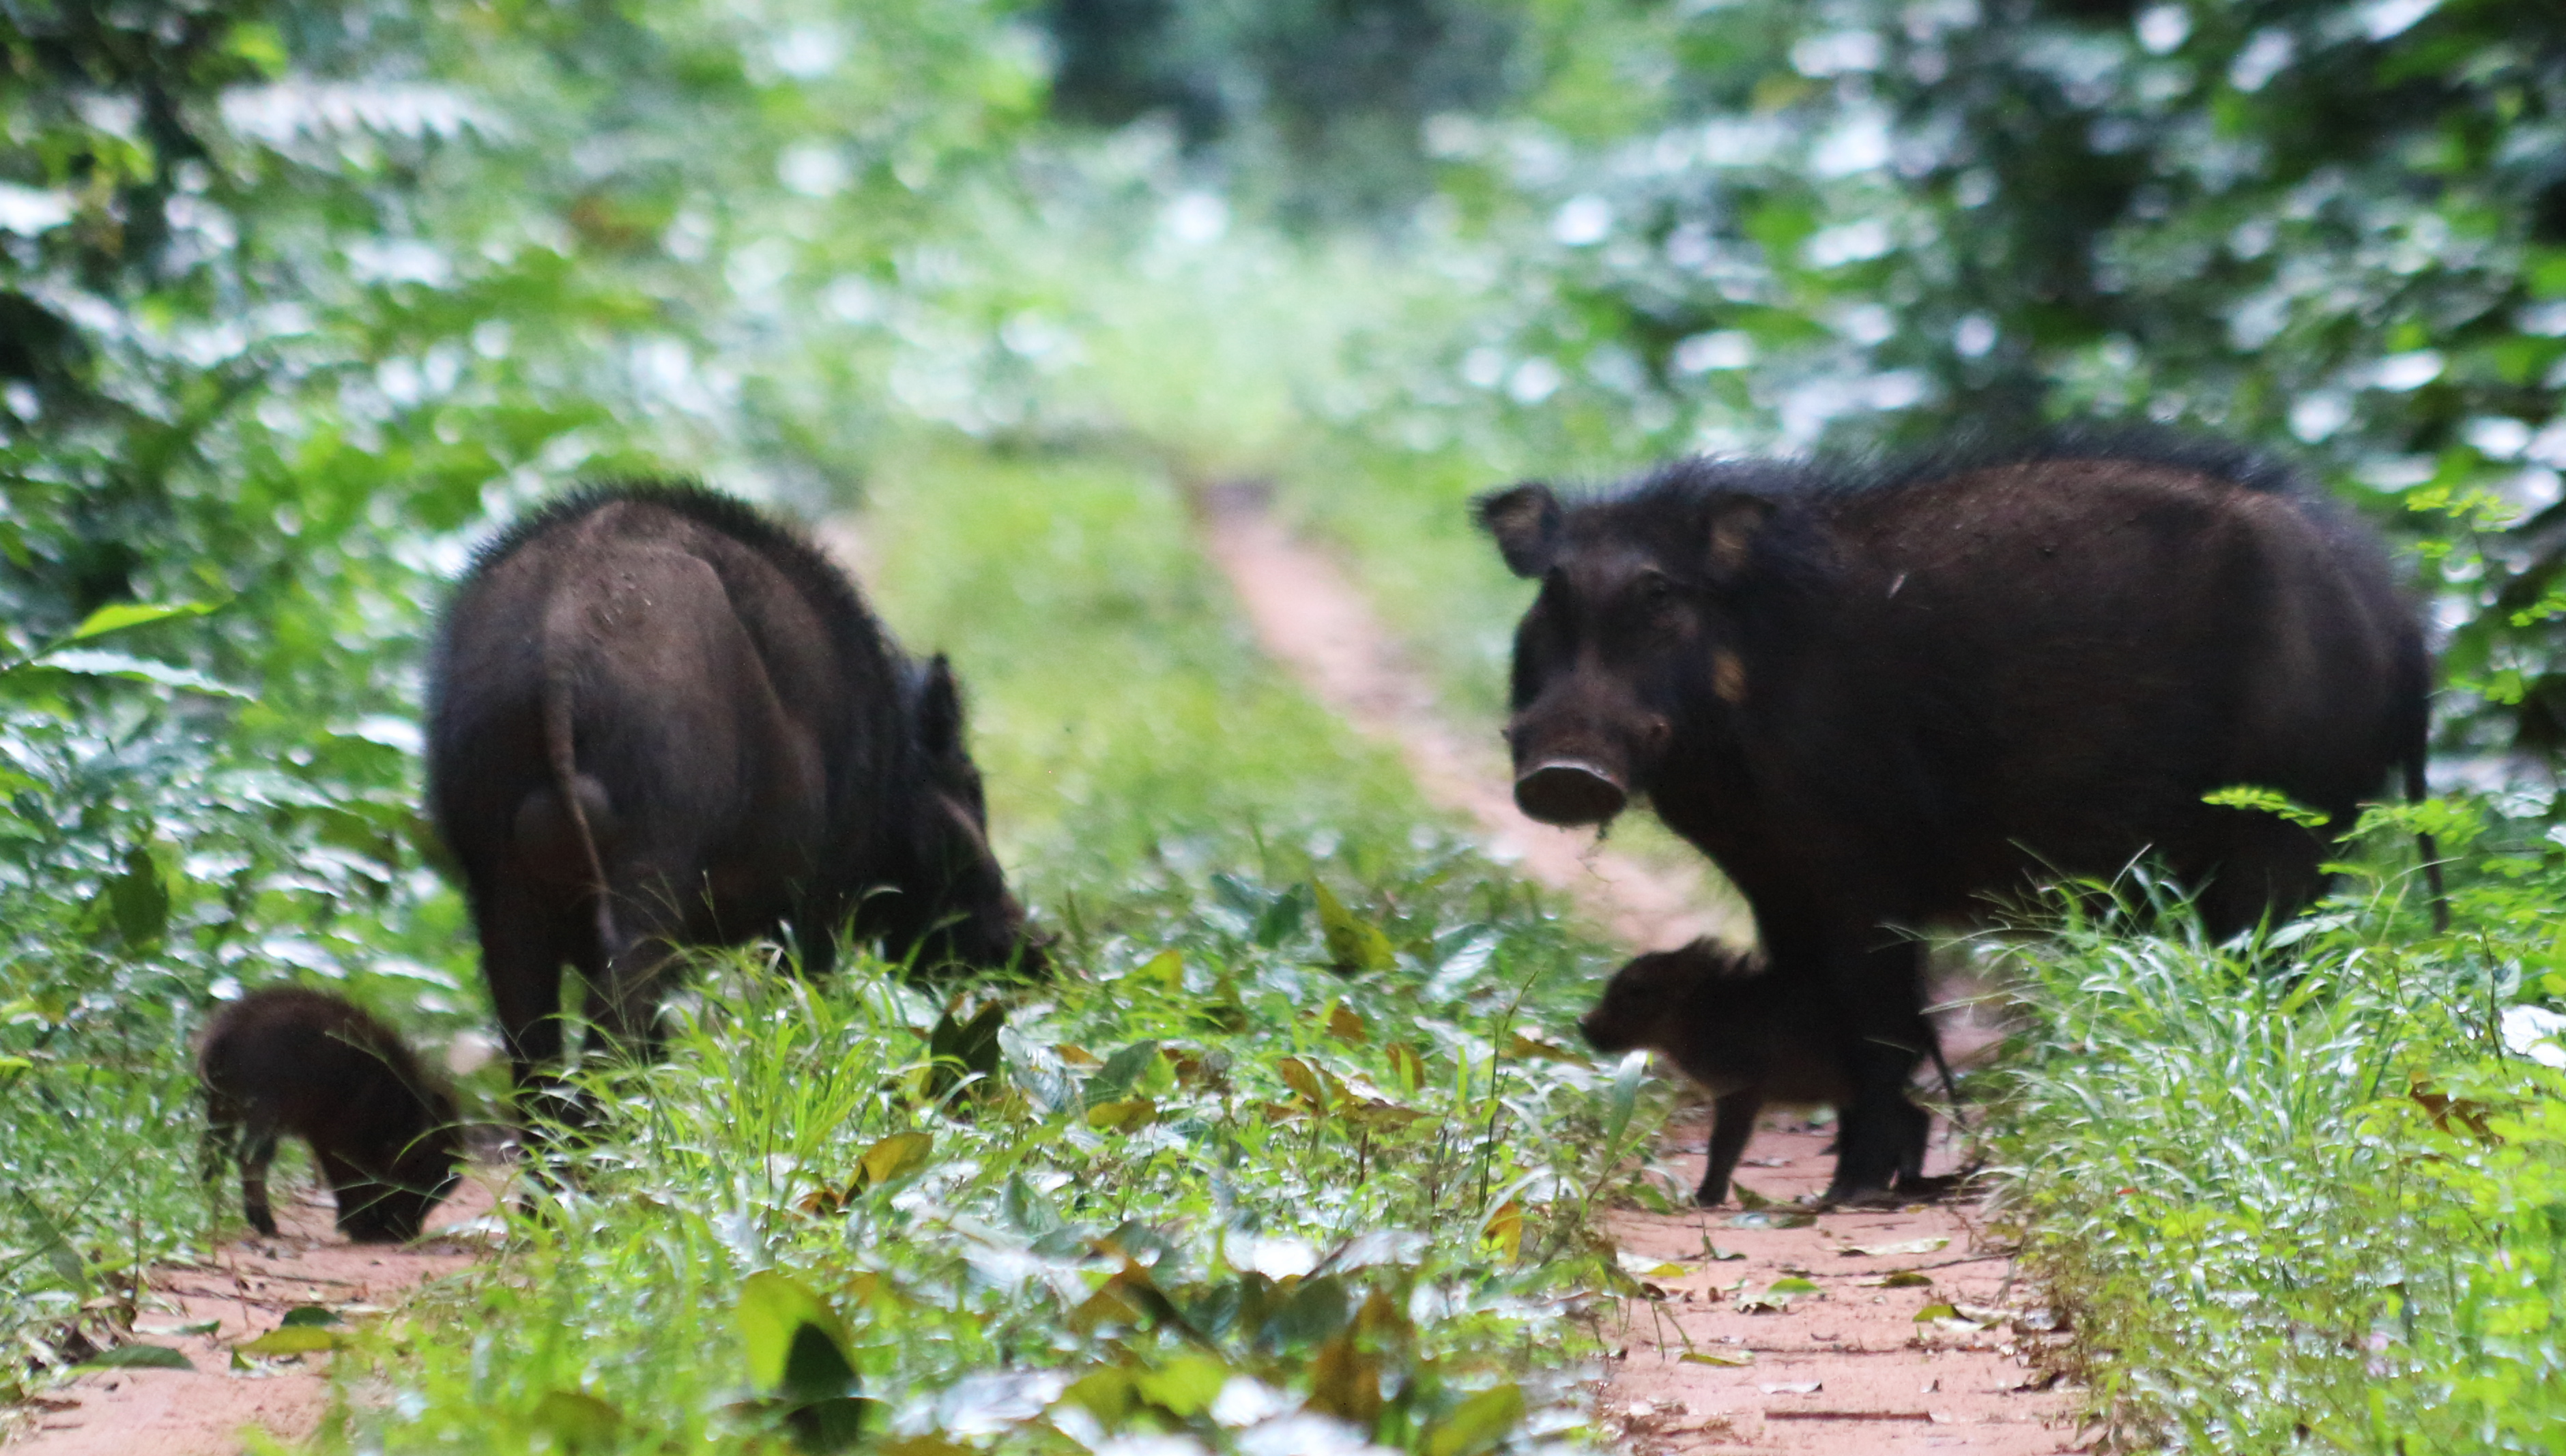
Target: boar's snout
1570 792
1603 1031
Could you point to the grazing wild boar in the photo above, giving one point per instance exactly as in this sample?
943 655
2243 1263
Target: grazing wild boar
1875 698
1748 1036
659 718
305 1062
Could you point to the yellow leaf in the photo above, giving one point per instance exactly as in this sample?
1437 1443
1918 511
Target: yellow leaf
1128 1115
290 1339
1346 1025
1507 1227
1344 1381
895 1157
1303 1079
1167 968
1353 944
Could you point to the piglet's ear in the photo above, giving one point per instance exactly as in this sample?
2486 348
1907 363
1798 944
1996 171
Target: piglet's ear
1735 522
939 709
1525 520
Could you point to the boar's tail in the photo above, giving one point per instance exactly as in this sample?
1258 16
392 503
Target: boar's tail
560 739
2431 852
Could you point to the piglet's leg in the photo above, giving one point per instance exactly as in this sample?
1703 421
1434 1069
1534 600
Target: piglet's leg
1733 1121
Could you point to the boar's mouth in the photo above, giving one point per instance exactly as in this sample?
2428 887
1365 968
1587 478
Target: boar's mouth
1570 792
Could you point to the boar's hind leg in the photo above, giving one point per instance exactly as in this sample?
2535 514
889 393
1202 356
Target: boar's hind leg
521 961
1733 1121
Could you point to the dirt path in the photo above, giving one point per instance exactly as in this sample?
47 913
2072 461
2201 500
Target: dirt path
245 1292
1846 1366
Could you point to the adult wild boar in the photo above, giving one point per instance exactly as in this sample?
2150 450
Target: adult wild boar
292 1060
1874 698
658 717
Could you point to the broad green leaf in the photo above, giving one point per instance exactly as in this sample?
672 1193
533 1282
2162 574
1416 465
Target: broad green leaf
314 1316
576 1421
86 663
1125 1114
290 1339
120 615
774 1310
138 1356
1352 945
1625 1099
1184 1386
1480 1424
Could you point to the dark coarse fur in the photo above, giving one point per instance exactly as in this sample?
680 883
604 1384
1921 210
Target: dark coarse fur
1748 1036
289 1061
1877 696
658 718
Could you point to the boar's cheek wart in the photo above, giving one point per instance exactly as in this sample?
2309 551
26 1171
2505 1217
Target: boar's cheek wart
1525 520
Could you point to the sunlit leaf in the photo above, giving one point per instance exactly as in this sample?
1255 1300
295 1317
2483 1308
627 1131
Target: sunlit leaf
1479 1424
120 615
1353 945
85 662
895 1156
796 1343
290 1339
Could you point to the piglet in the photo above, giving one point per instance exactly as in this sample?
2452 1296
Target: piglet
1747 1035
301 1061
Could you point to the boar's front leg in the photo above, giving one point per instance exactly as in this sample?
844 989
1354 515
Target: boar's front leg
1733 1121
256 1149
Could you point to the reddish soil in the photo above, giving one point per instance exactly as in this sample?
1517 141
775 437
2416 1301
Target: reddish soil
244 1292
1847 1367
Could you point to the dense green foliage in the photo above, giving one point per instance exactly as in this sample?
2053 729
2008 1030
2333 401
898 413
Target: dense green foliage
2314 1204
297 300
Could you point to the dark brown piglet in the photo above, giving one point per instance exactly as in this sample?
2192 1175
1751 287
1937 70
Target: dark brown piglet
1747 1035
306 1062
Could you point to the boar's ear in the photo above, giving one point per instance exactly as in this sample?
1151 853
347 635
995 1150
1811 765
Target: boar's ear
1734 523
939 709
1525 520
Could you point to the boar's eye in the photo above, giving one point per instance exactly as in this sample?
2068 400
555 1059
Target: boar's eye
1653 591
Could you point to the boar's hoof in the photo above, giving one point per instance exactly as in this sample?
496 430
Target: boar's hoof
1569 791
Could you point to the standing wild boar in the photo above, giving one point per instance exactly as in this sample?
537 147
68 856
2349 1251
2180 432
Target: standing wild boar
1874 699
658 718
1746 1035
305 1062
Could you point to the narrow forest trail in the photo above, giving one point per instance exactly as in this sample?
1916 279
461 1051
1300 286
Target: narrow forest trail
243 1291
1844 1366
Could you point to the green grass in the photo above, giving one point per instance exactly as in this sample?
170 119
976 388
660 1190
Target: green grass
2303 1206
1291 1139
